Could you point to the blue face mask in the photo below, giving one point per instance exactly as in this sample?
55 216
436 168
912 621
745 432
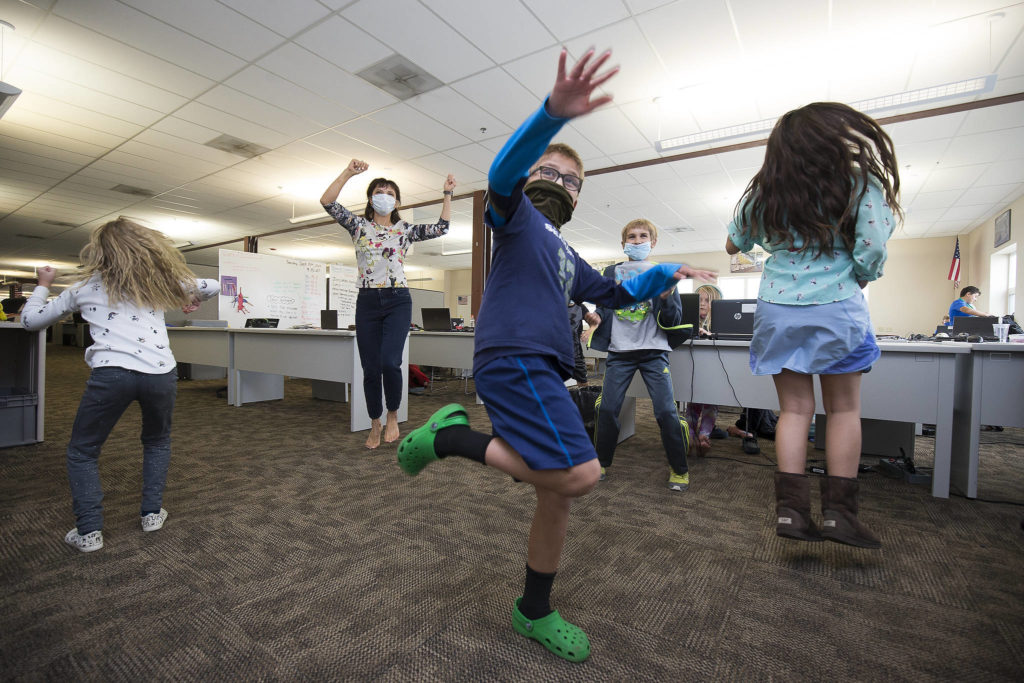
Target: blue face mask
637 252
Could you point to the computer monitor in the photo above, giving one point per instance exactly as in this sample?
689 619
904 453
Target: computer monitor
733 317
437 319
973 324
691 311
261 322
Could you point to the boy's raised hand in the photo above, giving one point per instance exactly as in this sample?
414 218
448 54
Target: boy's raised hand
46 275
696 273
570 96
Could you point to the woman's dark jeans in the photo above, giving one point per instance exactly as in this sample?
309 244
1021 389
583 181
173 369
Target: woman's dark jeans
109 391
382 326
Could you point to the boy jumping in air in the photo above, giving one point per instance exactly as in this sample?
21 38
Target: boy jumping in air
524 351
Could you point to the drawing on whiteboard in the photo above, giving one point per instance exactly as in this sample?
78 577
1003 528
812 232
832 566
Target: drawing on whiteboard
241 303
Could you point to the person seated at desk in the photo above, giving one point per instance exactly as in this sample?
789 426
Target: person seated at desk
964 306
13 304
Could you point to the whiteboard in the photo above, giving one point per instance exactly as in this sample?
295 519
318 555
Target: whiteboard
265 286
344 293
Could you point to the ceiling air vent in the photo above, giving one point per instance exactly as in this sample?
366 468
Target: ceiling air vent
31 237
678 229
132 190
400 77
233 145
63 224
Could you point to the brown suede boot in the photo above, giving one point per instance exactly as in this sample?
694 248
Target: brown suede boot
839 508
793 507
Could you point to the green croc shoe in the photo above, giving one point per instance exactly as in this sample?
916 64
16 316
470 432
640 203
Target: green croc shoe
566 640
417 450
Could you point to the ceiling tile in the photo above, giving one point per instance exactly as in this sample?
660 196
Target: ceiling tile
244 106
614 131
458 59
391 143
1003 172
79 96
284 18
283 94
458 113
679 34
102 50
402 117
65 67
500 95
96 139
993 118
214 24
320 76
571 18
344 44
118 21
49 138
487 26
37 103
223 122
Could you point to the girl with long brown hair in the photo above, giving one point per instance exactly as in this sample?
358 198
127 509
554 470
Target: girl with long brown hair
823 205
131 275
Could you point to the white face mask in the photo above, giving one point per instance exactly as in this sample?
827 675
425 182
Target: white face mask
383 204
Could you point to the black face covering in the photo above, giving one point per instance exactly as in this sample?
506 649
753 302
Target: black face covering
552 200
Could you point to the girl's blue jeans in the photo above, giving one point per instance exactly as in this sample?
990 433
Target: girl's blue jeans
109 391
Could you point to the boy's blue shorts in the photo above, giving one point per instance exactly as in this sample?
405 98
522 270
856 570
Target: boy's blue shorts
531 409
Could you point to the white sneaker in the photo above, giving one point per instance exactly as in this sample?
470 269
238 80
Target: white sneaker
154 520
88 543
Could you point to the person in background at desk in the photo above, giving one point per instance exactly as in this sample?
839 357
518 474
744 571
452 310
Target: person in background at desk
13 304
384 305
964 306
822 206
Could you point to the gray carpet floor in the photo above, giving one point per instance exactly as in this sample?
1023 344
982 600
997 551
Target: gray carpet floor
294 553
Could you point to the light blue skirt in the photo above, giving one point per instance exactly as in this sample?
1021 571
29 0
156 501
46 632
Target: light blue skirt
822 339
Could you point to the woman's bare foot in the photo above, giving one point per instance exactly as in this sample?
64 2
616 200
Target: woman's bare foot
391 428
373 440
737 432
703 444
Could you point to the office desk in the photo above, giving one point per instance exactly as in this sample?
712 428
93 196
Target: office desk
991 393
258 359
322 355
22 384
911 382
441 349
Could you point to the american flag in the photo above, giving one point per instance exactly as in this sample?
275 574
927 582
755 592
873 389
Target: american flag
954 267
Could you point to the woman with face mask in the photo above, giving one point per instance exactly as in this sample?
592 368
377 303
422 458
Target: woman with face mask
384 305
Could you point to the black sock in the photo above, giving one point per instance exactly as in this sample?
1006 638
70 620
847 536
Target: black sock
463 441
536 594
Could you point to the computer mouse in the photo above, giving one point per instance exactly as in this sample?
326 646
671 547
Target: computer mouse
942 335
975 339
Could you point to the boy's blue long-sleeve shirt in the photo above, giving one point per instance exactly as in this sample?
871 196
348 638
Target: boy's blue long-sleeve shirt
534 272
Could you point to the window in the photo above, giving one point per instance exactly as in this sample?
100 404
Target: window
740 286
1011 283
1003 282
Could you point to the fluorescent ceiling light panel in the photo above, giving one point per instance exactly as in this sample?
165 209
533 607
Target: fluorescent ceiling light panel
938 93
308 217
